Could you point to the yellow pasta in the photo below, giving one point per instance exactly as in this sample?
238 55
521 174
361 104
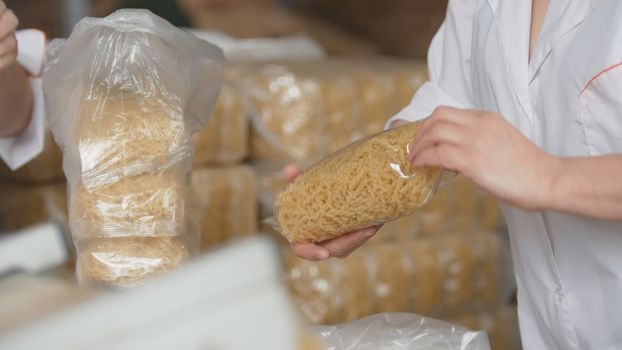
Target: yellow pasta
151 205
121 133
367 183
128 261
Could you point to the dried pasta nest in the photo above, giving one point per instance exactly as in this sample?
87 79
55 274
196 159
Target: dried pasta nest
120 134
366 183
128 261
152 205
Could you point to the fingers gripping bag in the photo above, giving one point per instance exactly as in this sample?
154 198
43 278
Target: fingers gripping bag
369 182
124 95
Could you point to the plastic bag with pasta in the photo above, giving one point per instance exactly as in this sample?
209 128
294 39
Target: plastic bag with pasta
367 183
124 94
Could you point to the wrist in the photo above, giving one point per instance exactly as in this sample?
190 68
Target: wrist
554 173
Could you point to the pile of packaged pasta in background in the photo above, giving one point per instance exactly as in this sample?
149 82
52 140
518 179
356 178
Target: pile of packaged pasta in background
136 208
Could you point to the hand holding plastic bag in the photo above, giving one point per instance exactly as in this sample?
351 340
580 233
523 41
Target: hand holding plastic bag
401 331
365 184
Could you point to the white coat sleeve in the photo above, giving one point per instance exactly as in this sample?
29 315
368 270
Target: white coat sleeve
18 150
449 69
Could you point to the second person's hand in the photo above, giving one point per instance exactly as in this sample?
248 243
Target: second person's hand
339 247
8 42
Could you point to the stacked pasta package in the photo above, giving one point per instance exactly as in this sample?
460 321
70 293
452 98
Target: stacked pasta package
224 188
125 93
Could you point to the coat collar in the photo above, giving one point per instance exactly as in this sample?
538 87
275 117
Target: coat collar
513 22
562 17
512 19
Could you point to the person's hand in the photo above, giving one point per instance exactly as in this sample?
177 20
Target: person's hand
339 247
8 42
489 151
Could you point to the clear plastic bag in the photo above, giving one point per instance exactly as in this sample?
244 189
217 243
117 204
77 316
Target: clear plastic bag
501 324
305 110
401 331
124 95
367 183
302 111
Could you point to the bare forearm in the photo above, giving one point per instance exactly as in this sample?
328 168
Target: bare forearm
590 186
15 100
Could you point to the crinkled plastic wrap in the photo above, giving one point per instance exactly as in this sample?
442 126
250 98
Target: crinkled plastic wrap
397 331
501 325
286 115
124 95
442 275
224 141
369 182
45 168
226 201
27 205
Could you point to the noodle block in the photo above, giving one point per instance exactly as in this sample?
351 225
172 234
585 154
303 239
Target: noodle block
304 110
439 275
128 261
367 183
225 138
287 117
121 133
356 286
314 287
390 268
146 205
226 202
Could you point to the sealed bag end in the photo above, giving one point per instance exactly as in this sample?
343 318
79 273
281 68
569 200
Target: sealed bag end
273 223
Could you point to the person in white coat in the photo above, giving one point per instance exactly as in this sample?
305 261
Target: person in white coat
22 121
525 100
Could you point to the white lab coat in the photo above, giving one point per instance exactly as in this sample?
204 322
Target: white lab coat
16 151
568 101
